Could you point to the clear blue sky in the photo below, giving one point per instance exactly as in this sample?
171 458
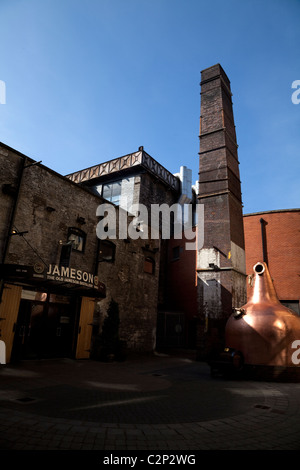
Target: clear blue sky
88 81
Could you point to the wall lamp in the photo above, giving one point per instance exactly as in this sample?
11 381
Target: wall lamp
16 232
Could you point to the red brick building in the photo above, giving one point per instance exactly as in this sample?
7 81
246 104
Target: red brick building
177 318
274 236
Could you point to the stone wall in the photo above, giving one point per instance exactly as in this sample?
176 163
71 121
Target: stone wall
48 206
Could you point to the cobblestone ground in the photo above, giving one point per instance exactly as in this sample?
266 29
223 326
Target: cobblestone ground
157 403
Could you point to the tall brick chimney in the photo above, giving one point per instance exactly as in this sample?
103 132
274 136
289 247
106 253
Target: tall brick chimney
221 269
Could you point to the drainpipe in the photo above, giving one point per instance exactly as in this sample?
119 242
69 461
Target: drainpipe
14 208
264 240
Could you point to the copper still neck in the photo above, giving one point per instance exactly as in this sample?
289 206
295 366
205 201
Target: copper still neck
263 287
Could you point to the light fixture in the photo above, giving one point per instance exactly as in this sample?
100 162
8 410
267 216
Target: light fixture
16 232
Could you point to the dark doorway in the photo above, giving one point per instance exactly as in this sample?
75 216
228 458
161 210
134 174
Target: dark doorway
45 327
170 330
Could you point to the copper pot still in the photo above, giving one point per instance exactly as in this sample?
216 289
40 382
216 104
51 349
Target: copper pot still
263 330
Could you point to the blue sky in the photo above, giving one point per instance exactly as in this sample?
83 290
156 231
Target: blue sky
88 81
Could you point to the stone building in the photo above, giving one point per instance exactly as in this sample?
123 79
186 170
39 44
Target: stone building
58 275
135 178
131 181
49 276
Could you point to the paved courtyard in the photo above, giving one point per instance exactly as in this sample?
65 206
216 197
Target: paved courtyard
150 403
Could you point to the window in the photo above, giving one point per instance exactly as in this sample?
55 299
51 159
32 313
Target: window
149 265
107 251
65 255
112 192
77 238
292 304
175 253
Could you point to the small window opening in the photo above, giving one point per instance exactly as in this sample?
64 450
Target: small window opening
149 265
107 251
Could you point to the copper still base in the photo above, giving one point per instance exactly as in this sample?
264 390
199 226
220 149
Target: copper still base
263 330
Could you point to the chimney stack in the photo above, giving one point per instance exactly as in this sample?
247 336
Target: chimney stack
221 271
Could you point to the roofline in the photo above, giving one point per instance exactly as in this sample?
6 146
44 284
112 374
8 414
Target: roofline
271 212
129 161
20 154
49 170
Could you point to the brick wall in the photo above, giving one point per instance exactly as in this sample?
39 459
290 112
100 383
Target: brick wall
282 230
182 290
220 263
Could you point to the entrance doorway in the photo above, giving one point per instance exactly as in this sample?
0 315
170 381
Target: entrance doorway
45 326
170 330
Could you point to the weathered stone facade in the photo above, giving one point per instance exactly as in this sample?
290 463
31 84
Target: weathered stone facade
143 182
47 206
135 290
